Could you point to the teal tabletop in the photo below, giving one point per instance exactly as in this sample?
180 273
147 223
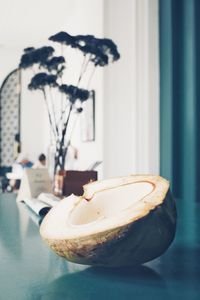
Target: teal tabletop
30 270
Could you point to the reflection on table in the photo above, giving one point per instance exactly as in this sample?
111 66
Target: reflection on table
30 270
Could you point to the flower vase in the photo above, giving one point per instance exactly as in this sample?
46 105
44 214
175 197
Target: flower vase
56 162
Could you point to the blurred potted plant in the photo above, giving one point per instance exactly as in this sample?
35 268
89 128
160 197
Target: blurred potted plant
50 71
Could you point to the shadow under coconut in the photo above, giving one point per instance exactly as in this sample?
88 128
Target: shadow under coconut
125 273
98 283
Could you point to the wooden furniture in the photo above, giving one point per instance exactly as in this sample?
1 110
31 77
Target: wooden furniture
73 181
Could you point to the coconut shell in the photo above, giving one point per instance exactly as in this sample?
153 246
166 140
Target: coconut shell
137 241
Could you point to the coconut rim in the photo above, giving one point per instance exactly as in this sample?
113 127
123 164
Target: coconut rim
126 217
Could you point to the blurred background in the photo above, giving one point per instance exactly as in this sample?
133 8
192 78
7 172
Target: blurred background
126 92
146 112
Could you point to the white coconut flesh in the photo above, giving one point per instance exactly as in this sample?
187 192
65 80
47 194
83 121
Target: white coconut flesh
110 204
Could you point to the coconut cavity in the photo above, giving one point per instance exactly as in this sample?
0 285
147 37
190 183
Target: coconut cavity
124 221
109 203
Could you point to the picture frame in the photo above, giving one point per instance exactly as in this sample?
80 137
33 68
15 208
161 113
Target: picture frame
88 119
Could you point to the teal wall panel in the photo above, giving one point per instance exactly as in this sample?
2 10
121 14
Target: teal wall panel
189 100
166 71
180 95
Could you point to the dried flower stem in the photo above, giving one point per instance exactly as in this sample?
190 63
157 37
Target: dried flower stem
53 112
49 115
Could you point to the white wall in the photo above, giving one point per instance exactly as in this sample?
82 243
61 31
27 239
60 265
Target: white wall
88 19
75 17
127 102
147 86
131 98
34 126
34 121
119 90
33 116
9 57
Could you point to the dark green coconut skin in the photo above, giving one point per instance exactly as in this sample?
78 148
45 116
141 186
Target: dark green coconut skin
129 245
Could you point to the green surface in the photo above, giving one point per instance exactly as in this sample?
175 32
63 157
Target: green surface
29 270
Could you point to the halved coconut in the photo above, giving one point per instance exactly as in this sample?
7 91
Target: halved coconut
117 222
